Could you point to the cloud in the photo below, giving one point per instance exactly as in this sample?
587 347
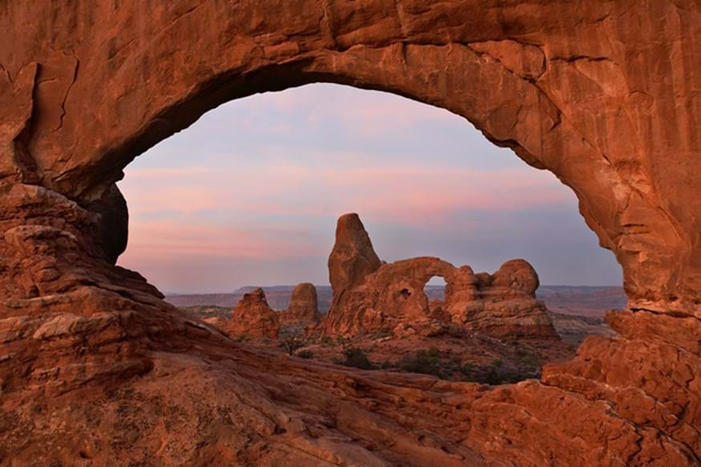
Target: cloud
406 194
250 193
158 238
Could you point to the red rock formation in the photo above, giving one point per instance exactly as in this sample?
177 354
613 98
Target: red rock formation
392 299
253 317
602 93
505 305
303 308
352 257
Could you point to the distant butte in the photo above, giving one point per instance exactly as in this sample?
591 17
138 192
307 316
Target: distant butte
253 317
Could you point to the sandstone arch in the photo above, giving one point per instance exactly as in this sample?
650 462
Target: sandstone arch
371 297
603 94
529 76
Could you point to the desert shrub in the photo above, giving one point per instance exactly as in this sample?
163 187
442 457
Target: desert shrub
526 358
291 338
291 344
305 354
496 373
356 358
424 361
492 377
468 369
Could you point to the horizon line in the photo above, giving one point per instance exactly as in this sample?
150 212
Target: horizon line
232 292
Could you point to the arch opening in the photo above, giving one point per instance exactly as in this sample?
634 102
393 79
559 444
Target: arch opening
239 133
435 289
263 187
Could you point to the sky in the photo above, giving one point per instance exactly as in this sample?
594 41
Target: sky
250 193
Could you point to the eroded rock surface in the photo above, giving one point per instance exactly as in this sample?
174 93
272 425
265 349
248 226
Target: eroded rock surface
353 256
603 94
253 317
392 299
505 305
303 308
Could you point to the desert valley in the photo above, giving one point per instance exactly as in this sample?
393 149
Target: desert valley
478 327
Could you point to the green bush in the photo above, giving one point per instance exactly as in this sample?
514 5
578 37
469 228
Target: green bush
424 361
496 373
305 354
356 358
291 344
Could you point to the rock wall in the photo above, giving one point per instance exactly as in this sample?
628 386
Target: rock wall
95 367
604 96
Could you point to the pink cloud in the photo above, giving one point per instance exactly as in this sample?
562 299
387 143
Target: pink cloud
399 192
161 238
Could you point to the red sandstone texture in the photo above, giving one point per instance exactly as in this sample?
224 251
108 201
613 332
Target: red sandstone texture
96 368
253 317
303 308
391 298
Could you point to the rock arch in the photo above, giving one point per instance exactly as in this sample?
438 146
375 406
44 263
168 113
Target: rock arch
542 79
604 95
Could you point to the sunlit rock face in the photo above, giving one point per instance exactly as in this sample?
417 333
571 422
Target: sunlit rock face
303 308
353 256
94 365
253 317
391 298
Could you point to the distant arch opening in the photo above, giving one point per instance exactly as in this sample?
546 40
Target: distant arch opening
435 289
249 194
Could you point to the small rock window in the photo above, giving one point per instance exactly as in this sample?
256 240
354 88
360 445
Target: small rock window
435 288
